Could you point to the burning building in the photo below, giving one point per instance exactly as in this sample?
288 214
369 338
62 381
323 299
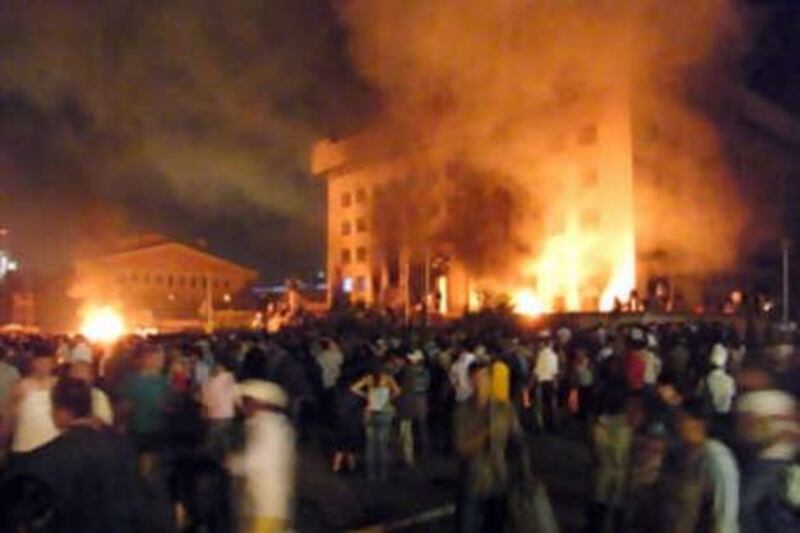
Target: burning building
608 196
560 154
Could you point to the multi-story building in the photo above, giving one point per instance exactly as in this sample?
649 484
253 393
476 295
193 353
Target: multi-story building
603 166
154 279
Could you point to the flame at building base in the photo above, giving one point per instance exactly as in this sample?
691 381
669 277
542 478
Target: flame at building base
103 325
566 269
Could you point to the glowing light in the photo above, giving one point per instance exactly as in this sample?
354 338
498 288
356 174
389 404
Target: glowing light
526 303
578 270
103 324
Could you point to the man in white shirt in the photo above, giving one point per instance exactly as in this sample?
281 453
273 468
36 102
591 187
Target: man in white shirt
330 360
545 372
721 386
267 464
9 376
219 398
459 375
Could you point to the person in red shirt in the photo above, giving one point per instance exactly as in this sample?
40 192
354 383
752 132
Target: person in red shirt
635 362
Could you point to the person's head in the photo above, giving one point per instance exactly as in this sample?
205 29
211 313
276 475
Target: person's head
668 391
83 371
151 359
693 423
258 395
637 338
72 400
767 417
376 368
719 356
481 378
43 362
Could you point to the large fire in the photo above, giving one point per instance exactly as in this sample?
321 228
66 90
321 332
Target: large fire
585 267
103 324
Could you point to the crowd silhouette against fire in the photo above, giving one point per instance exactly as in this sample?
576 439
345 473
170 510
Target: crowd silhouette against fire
688 430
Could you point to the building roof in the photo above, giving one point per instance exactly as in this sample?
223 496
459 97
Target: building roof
157 249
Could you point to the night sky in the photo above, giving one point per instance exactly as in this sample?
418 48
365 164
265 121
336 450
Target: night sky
195 119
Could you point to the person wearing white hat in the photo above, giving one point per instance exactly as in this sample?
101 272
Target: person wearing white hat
81 367
768 424
718 384
267 464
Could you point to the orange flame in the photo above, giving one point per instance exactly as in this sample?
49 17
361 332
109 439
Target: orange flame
103 325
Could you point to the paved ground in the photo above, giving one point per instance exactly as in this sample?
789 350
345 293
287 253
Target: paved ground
422 500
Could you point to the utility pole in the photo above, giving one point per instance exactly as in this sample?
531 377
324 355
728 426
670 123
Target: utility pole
427 298
785 245
209 305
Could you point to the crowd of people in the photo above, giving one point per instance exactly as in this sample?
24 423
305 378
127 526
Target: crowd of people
687 430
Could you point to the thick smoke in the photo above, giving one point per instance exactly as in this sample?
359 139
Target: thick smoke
193 118
476 94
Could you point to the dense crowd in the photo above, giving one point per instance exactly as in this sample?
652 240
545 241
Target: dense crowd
688 431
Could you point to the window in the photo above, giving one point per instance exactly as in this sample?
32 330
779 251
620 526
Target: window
361 284
347 284
170 280
159 279
193 282
590 177
361 254
347 199
347 228
588 135
361 196
652 131
361 225
226 284
346 256
590 219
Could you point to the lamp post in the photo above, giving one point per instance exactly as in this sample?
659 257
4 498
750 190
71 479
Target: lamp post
785 245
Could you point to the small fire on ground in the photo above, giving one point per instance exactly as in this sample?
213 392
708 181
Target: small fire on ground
103 324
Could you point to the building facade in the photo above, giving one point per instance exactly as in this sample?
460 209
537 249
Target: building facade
612 171
157 280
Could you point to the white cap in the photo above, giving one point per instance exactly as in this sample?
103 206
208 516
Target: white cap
767 403
263 391
652 340
416 356
719 355
636 334
564 334
81 353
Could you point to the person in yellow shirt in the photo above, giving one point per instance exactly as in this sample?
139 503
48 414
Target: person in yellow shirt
501 382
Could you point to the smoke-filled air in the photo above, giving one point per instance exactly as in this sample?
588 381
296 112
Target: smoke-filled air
519 126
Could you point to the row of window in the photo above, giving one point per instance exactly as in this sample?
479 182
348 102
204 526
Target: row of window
347 255
347 226
172 280
357 284
360 197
